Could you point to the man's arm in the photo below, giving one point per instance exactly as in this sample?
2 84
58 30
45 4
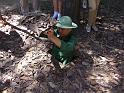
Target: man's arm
53 38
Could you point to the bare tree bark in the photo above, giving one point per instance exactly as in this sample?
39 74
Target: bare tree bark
72 8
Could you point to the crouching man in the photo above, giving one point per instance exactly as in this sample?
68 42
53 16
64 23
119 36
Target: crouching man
64 41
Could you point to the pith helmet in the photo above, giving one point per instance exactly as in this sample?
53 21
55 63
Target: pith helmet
66 22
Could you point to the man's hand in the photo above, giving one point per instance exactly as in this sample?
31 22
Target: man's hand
53 38
50 33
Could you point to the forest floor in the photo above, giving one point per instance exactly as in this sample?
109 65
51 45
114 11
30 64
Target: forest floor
26 66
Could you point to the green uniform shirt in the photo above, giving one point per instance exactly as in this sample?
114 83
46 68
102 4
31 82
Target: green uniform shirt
65 53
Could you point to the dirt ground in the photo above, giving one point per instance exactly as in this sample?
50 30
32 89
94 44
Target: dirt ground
98 66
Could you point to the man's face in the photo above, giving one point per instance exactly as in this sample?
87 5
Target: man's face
64 32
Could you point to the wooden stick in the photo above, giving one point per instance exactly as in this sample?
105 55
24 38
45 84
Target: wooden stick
25 31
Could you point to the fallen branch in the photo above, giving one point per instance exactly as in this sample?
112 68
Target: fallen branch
25 31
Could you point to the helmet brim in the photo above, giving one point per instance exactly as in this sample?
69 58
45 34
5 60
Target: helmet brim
64 26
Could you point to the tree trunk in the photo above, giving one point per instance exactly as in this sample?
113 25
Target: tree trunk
72 8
